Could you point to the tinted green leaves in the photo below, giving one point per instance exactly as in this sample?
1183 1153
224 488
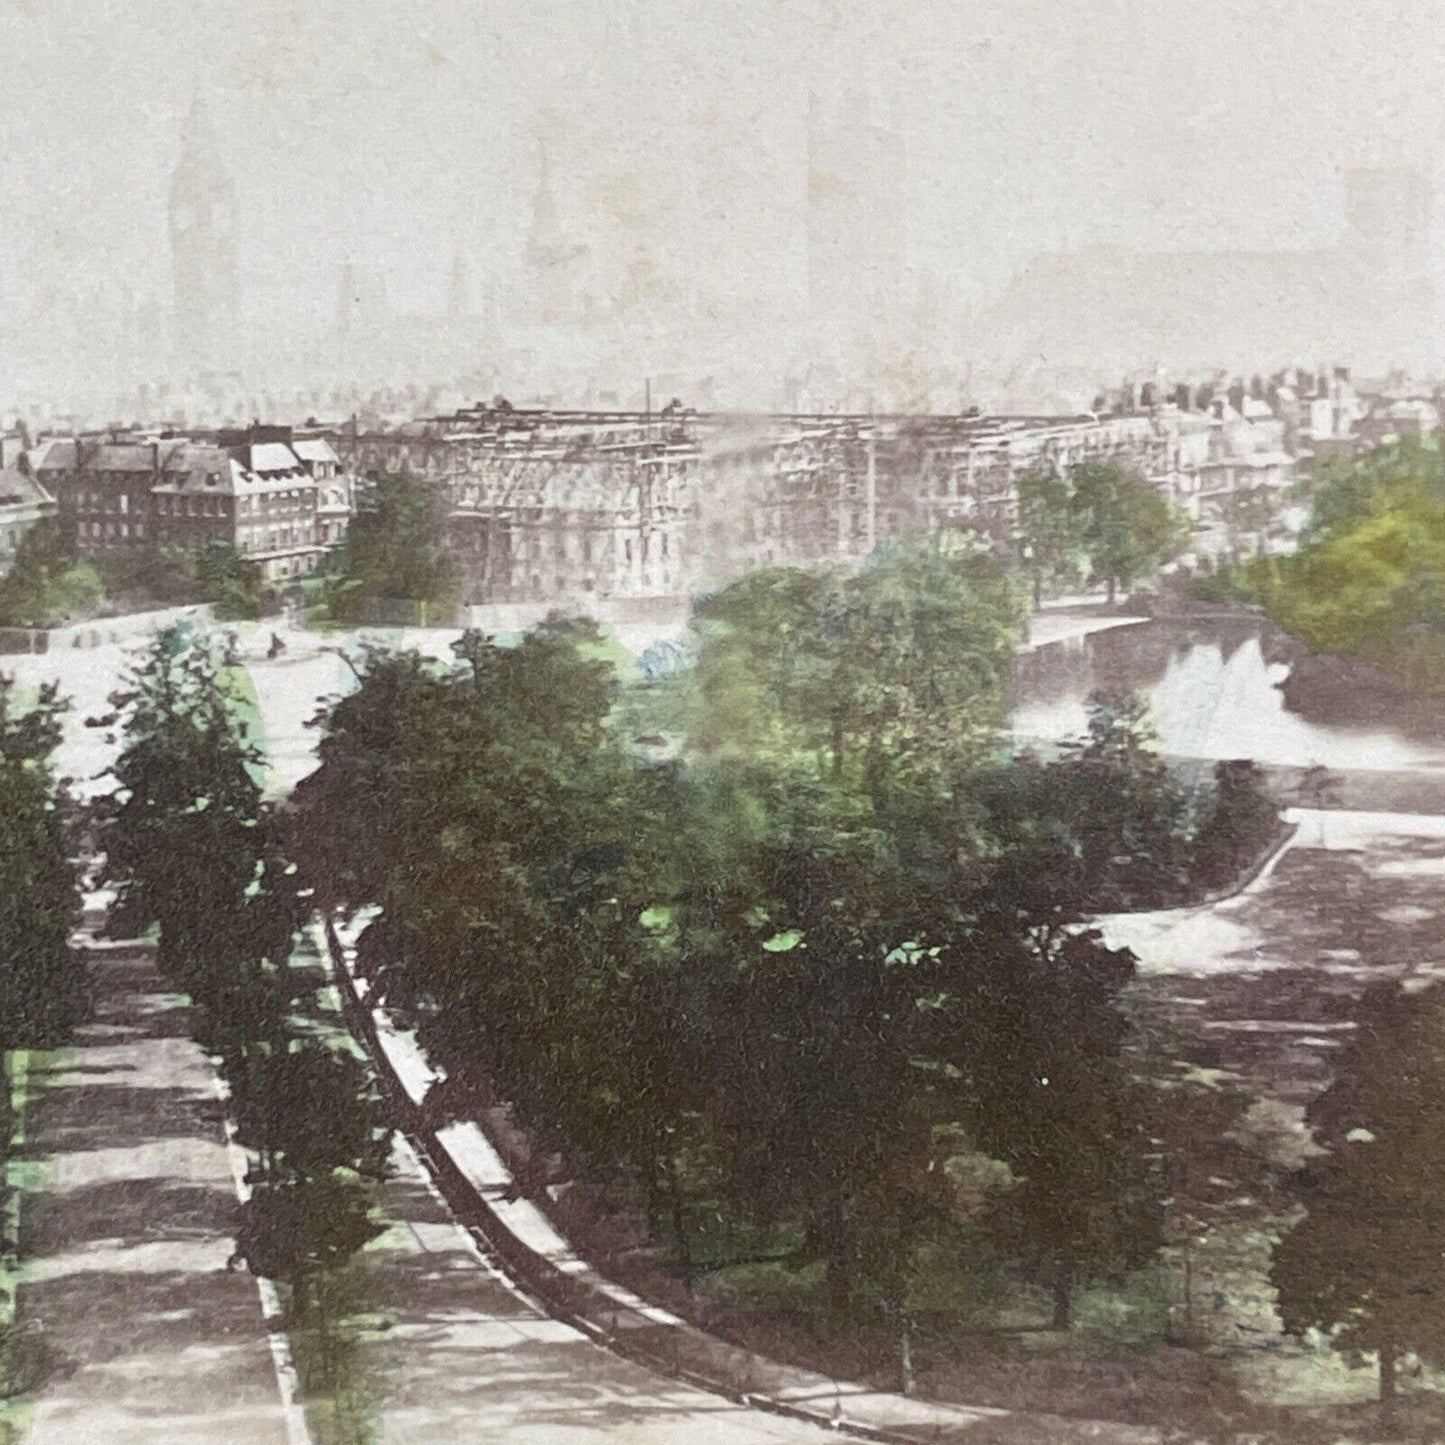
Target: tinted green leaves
898 671
42 984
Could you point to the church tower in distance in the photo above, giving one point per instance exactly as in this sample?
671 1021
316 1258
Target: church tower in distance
203 244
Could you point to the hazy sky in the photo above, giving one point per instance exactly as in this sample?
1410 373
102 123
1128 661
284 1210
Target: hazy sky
397 133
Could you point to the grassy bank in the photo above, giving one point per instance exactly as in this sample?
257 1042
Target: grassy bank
15 1365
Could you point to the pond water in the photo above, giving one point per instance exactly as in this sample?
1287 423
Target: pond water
1217 688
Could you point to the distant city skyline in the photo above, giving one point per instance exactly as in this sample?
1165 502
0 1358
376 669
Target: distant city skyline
403 142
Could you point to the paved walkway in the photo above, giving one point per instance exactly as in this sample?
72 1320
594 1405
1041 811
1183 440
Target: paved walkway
141 1332
466 1358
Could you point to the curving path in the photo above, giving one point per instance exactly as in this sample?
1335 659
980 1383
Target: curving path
467 1357
1270 976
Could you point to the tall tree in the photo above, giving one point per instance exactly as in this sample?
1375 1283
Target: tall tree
182 833
1126 525
395 549
46 583
192 851
897 671
314 1119
1364 1265
42 983
505 831
1102 826
1057 1104
1046 527
1241 817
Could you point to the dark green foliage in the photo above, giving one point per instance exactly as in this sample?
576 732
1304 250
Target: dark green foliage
50 584
790 972
1059 1105
150 575
1126 526
137 577
42 983
46 584
897 673
308 1111
1131 836
192 851
1368 579
504 834
1242 817
42 980
292 1230
830 989
182 833
314 1121
1047 530
233 585
1105 826
1364 1265
395 551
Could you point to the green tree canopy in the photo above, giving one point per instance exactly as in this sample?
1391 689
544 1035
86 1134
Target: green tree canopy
899 670
1102 826
1057 1103
182 832
46 584
1047 530
395 549
1364 1265
1127 527
1368 579
765 974
42 983
192 851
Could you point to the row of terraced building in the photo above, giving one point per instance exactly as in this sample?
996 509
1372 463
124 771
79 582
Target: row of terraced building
580 507
577 506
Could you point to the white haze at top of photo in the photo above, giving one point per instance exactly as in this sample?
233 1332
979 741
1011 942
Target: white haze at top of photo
397 135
